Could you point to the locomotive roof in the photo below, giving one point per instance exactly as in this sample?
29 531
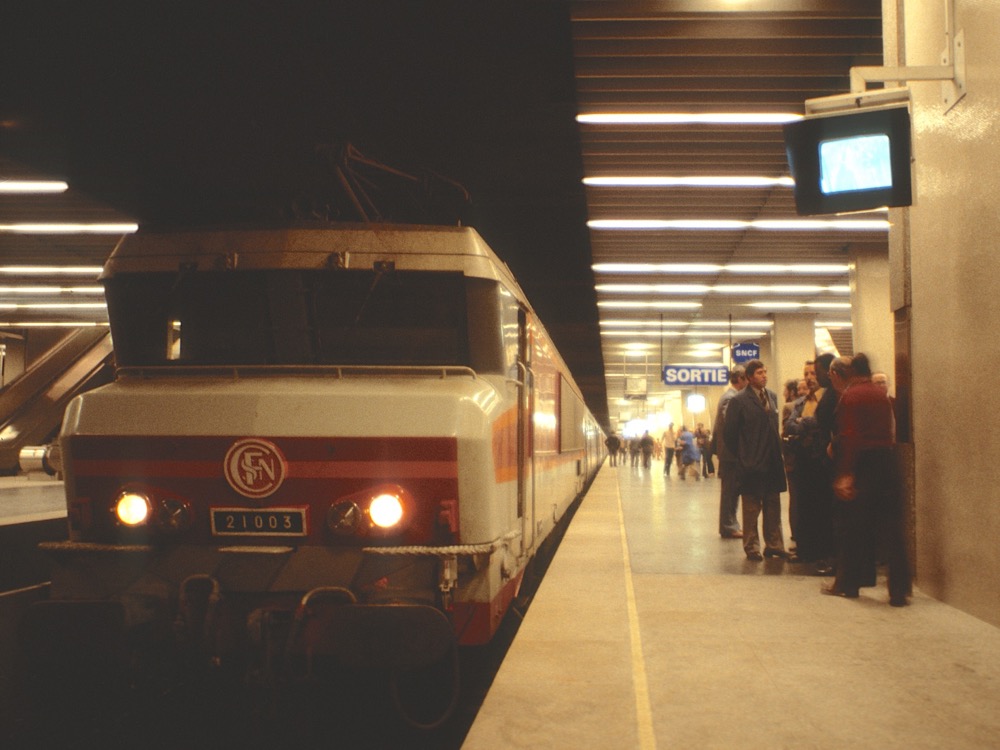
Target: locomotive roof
331 246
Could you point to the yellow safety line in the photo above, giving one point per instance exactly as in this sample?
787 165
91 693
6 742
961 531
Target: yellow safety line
643 710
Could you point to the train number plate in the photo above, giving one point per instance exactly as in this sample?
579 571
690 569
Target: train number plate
269 522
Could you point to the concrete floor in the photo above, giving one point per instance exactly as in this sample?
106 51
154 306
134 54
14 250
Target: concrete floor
649 631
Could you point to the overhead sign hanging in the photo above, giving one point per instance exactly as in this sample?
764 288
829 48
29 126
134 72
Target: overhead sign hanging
695 375
745 352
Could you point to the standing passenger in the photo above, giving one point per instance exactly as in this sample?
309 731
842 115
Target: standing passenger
752 434
866 483
669 441
809 477
729 492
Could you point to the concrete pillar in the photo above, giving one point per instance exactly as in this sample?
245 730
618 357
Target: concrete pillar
793 342
871 310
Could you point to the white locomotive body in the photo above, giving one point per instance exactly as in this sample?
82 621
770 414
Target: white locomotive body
348 438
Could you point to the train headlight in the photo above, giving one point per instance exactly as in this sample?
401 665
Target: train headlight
386 510
132 508
381 511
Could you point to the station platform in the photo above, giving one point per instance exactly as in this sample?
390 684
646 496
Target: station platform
650 631
30 498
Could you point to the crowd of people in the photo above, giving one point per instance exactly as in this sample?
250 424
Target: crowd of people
831 447
688 451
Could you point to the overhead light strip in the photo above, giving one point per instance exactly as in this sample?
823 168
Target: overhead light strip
790 269
56 228
51 290
54 324
52 306
824 225
703 181
93 271
660 305
688 118
678 334
686 324
723 289
801 305
33 186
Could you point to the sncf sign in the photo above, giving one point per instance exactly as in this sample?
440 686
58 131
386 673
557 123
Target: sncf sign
745 352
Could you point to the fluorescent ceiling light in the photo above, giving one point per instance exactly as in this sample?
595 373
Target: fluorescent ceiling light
688 118
703 181
722 288
33 186
686 323
51 290
53 324
732 224
51 270
662 305
54 228
800 305
790 269
678 334
52 306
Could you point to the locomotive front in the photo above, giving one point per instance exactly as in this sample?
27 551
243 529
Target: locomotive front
309 451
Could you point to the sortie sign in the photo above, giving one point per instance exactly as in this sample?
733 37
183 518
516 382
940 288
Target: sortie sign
695 375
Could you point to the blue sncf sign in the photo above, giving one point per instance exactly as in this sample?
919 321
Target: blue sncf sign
745 352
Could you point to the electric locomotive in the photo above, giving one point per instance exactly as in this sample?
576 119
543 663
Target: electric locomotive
338 443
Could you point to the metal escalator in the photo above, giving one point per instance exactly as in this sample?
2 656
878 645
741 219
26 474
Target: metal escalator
32 406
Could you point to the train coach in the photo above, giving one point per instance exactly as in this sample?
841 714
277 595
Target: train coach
340 443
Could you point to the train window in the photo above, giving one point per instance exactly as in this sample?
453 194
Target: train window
290 317
404 318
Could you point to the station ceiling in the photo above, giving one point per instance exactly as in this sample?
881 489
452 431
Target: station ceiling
184 113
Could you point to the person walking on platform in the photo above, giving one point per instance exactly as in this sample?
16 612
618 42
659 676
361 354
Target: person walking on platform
751 427
646 446
690 456
669 441
703 439
633 451
613 443
729 492
866 483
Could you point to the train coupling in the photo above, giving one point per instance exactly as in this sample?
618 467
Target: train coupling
329 623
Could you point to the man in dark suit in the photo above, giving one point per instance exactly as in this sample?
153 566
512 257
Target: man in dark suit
729 493
751 431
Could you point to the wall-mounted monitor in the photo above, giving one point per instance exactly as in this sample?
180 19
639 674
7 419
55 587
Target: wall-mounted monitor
850 161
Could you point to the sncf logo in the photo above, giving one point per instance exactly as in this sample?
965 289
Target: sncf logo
255 468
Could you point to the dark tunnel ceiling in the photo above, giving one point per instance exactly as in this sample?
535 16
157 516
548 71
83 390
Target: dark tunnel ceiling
213 112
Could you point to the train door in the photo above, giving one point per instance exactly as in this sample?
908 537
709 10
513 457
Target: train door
525 437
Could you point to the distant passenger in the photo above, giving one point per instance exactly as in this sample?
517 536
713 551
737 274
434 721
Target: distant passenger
703 438
669 444
646 446
690 455
614 444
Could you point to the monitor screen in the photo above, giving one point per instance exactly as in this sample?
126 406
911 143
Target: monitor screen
850 161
